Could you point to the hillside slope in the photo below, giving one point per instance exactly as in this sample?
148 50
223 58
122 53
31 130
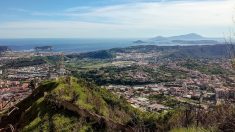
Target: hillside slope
71 104
194 51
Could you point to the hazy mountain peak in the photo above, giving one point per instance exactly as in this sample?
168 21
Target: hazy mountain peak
158 38
191 36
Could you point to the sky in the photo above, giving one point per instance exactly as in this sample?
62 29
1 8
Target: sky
114 18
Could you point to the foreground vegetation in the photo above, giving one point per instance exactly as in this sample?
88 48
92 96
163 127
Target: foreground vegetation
71 104
80 105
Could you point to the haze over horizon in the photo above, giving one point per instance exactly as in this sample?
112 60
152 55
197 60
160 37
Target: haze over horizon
114 19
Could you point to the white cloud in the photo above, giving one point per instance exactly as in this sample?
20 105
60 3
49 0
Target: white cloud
19 10
129 20
174 14
59 29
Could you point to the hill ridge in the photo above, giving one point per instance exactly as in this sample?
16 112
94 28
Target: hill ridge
74 101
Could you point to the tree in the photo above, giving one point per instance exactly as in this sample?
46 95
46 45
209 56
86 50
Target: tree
32 84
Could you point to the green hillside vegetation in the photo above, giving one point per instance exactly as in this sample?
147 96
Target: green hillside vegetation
24 62
211 69
190 129
166 100
71 104
125 75
101 54
176 52
51 59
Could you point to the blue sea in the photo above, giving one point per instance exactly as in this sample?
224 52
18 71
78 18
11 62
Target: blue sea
67 45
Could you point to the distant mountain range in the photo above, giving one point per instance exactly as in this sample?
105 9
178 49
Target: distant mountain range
186 39
217 51
191 36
